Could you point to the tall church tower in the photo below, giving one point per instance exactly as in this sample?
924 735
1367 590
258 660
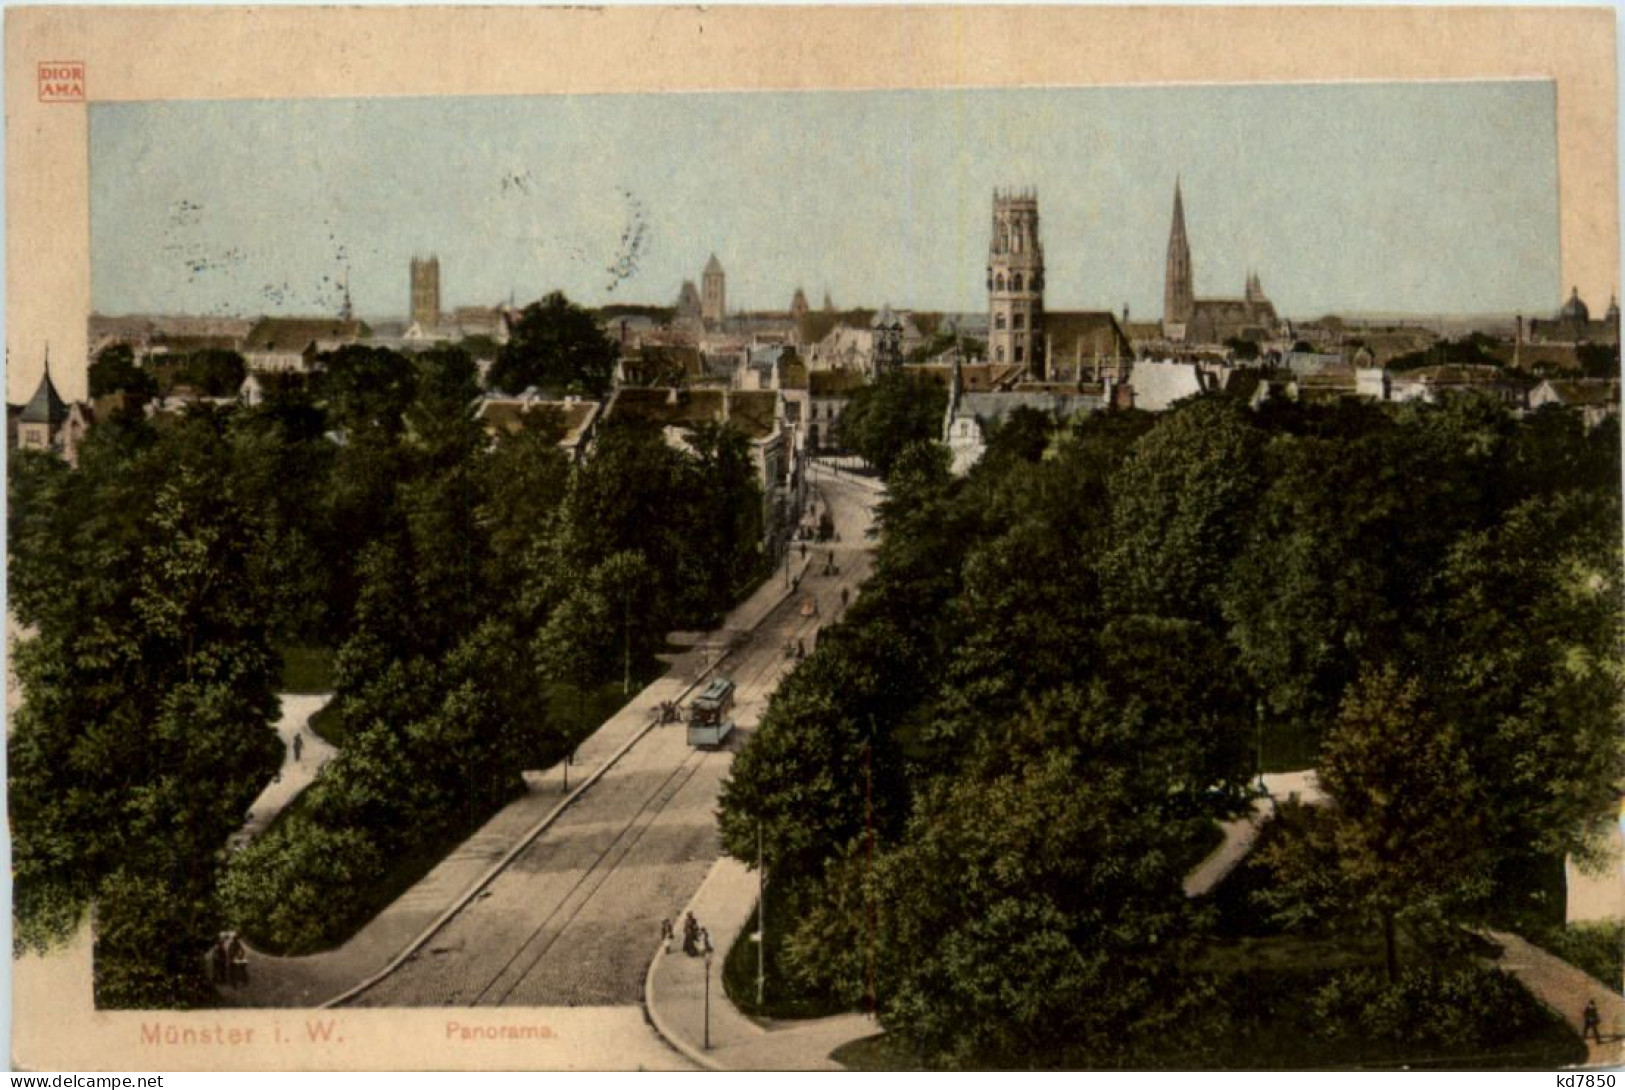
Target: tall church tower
426 291
1015 282
713 292
1179 291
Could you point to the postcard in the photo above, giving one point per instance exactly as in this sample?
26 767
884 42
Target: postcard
814 538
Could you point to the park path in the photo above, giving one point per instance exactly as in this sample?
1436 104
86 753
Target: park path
1559 985
1240 834
1565 989
294 775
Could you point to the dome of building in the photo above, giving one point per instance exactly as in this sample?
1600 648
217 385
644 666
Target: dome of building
1575 310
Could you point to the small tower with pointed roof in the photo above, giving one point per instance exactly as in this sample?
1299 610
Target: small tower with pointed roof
41 419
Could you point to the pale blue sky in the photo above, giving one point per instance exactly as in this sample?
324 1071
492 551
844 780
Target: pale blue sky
1432 197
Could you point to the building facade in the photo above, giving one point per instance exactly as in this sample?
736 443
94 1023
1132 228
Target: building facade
1015 281
1574 324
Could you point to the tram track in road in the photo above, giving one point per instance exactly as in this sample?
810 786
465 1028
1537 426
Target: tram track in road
591 880
759 669
418 979
555 922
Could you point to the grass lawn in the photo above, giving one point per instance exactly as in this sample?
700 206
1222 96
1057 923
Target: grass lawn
881 1052
328 725
1267 980
780 1000
580 713
1268 1021
1596 948
1288 748
307 669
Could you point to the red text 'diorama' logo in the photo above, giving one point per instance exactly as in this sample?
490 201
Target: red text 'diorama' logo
62 81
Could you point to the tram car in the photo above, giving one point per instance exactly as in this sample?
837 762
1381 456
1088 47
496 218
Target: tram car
708 720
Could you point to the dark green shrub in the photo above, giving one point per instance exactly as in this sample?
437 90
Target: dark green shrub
300 884
1426 1007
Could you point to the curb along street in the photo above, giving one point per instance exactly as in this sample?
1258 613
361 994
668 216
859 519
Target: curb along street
541 826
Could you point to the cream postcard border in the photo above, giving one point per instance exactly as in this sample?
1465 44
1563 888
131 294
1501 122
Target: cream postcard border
132 54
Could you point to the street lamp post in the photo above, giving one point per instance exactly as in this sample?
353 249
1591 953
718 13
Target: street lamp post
1258 736
708 999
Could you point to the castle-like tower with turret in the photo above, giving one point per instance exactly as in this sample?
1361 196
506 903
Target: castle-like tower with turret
713 293
426 291
1015 282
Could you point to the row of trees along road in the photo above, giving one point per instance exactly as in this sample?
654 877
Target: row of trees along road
469 587
980 795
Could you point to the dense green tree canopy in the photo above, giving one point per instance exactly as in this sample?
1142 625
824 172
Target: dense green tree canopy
555 346
1086 638
115 369
150 672
365 511
886 416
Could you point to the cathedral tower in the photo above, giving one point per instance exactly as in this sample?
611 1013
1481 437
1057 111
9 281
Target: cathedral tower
1179 291
426 291
713 292
1015 282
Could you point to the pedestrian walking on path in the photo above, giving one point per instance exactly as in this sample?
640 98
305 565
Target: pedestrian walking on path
238 956
218 960
691 936
298 747
667 934
1593 1022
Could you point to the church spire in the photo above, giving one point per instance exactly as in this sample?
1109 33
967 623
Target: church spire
1179 293
46 406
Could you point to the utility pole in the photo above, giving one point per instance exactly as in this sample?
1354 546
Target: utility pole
869 823
708 1000
626 634
761 922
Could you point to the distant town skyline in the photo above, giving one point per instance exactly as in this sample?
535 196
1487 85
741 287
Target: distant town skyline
1422 198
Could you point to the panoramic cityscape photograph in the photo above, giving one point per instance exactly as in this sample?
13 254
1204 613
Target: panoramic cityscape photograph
1005 578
